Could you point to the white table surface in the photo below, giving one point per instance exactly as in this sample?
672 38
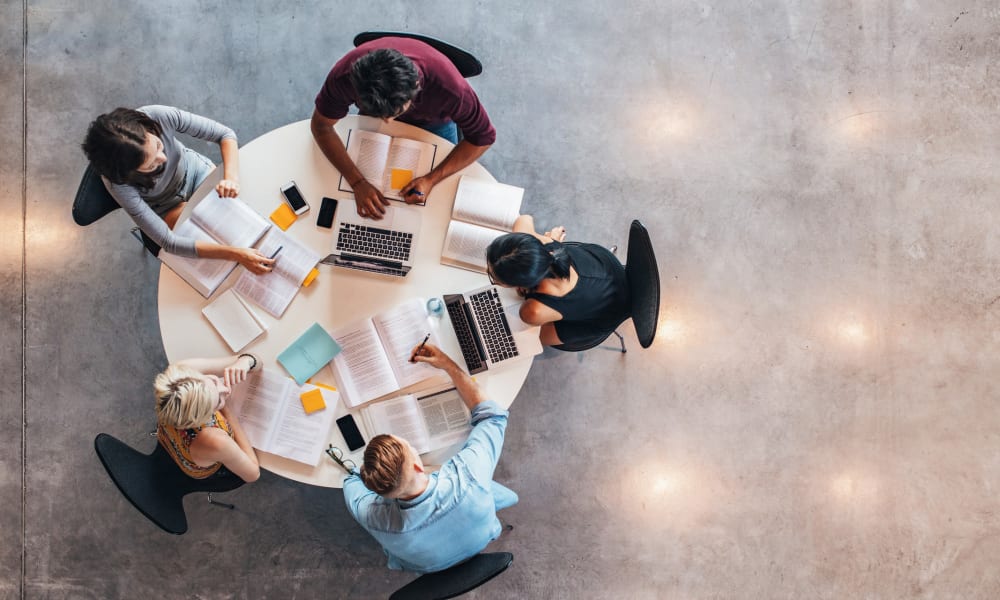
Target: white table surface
338 296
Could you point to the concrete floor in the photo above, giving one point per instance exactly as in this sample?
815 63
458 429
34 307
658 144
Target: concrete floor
816 420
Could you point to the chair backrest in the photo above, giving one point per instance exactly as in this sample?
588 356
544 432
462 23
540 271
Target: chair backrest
153 483
455 581
643 282
467 64
92 200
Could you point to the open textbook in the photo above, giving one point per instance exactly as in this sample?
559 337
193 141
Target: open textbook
270 411
429 422
274 291
226 221
483 211
375 356
236 322
388 163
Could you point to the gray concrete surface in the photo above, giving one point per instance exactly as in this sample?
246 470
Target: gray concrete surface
816 420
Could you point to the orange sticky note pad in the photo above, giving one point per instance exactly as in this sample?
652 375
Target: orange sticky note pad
310 277
312 401
400 177
283 216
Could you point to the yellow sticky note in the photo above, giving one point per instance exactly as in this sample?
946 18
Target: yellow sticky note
283 216
400 177
310 277
312 401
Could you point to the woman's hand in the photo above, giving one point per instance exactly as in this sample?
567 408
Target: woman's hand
228 188
254 261
237 371
556 233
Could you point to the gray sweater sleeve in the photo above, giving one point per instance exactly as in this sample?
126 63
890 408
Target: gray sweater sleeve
149 222
196 126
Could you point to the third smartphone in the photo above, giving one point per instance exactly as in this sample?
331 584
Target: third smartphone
349 429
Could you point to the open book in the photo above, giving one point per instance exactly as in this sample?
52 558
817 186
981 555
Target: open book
274 291
375 356
226 221
388 163
234 320
428 422
271 413
483 211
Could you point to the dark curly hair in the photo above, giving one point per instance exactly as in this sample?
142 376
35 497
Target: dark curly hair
385 81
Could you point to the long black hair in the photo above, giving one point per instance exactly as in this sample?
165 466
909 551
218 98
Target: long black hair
520 260
116 146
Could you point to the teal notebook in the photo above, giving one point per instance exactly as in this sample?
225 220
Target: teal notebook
308 354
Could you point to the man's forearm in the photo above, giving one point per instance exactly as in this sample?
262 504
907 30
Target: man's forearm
334 150
468 389
463 155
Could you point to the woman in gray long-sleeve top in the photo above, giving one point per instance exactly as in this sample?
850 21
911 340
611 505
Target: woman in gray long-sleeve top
152 175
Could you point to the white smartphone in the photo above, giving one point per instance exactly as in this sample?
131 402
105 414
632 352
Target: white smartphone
293 197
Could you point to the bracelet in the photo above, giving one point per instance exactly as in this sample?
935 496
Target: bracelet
251 357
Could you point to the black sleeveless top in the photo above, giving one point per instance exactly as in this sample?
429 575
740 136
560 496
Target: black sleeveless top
599 301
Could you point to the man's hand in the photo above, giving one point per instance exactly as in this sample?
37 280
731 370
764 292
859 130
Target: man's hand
433 356
417 190
371 203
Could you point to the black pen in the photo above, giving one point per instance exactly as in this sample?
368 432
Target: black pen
280 248
420 347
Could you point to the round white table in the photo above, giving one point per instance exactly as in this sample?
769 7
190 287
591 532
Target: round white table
338 296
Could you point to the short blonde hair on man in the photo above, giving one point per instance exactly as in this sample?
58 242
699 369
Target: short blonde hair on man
182 398
382 471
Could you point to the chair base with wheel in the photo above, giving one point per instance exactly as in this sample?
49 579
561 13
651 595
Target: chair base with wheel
457 580
154 484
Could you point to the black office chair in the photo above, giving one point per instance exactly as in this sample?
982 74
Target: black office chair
455 581
154 484
643 279
467 64
93 202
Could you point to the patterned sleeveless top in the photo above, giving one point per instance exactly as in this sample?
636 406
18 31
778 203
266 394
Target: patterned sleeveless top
177 443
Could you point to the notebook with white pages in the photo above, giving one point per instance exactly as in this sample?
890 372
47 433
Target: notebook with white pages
234 320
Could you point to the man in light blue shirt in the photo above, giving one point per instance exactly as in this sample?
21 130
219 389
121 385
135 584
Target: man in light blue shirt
430 521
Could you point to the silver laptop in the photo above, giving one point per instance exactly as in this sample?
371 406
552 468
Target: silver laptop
385 246
489 330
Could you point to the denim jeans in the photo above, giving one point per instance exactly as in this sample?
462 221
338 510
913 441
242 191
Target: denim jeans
448 131
503 497
198 169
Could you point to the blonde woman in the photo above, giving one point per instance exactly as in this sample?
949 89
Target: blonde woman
195 426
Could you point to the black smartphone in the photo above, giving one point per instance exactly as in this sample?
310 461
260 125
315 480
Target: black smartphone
349 429
326 211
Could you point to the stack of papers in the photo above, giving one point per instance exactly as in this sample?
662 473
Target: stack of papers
235 321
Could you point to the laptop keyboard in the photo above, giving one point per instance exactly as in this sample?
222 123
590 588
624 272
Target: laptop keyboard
372 241
493 327
464 334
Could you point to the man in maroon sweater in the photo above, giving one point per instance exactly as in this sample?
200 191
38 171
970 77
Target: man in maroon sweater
404 79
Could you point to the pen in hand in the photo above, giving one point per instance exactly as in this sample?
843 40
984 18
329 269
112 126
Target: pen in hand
419 348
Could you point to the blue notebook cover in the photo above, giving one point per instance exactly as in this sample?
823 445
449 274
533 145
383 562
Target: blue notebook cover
308 354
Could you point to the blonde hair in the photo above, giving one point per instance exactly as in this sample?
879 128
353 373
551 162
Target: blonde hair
385 458
182 398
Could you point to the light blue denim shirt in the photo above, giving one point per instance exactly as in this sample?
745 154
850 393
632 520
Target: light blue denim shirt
454 518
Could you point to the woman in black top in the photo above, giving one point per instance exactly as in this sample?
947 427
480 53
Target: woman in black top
576 292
